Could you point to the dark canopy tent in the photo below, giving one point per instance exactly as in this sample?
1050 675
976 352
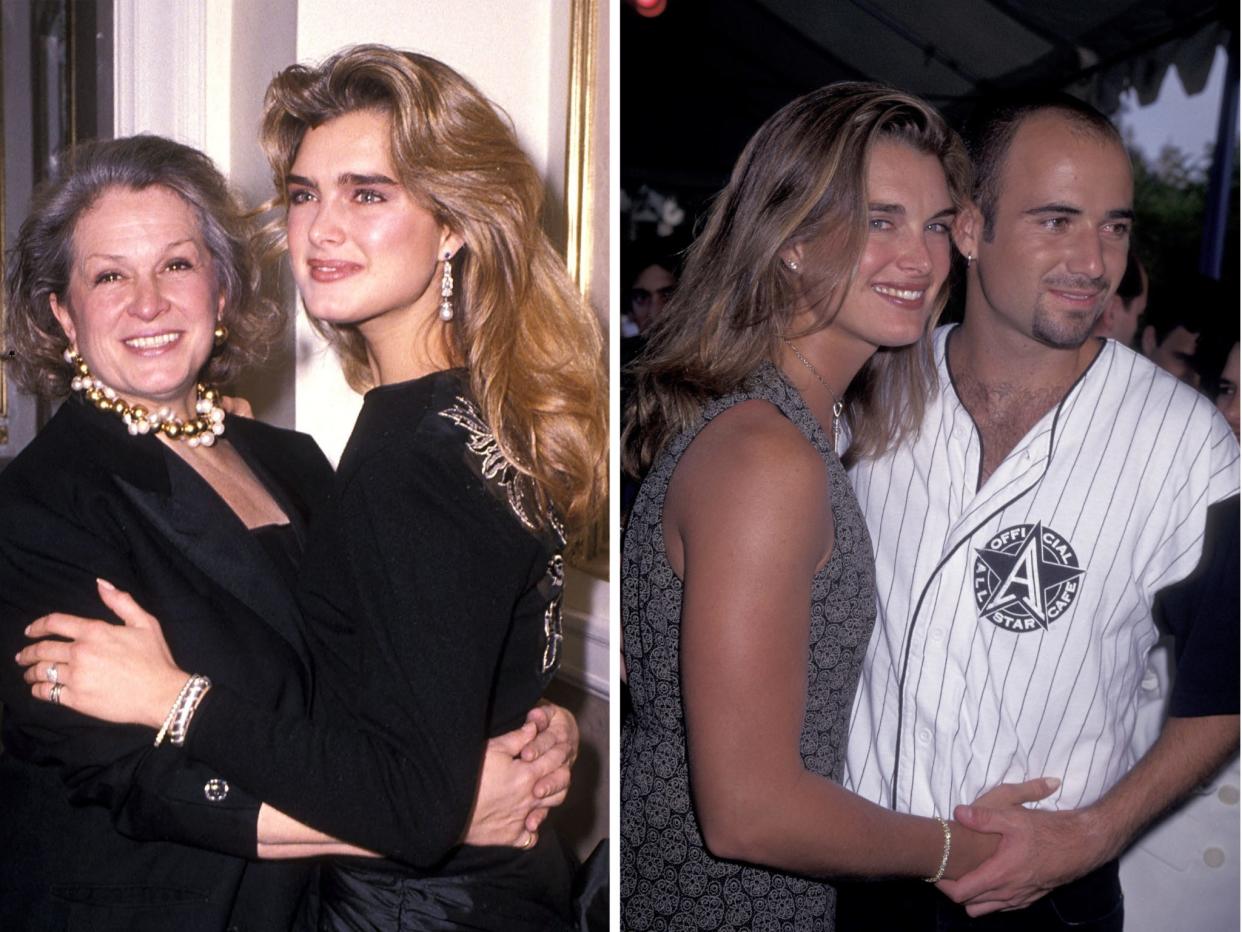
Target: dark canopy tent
700 78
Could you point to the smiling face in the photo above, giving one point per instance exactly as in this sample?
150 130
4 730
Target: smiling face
364 250
906 256
1059 239
141 305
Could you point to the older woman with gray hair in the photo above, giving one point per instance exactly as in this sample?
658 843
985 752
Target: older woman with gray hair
133 290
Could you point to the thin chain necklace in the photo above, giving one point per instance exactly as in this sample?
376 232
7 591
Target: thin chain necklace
838 405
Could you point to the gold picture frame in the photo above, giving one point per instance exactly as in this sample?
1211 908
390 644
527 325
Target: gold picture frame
580 196
579 143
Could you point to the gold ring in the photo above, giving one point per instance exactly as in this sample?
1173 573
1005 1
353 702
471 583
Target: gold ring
530 840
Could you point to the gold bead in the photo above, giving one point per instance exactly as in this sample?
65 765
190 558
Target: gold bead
202 428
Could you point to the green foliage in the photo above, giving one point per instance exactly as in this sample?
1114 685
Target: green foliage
1170 196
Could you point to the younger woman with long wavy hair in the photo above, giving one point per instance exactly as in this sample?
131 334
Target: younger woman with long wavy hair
432 588
748 590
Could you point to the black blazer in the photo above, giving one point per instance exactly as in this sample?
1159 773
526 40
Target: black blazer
98 829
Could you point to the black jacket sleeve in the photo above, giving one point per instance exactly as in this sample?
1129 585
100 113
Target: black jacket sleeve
434 566
49 562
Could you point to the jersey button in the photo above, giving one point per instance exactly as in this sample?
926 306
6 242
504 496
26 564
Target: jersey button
925 735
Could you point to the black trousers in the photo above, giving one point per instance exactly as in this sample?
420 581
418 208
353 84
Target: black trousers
1092 903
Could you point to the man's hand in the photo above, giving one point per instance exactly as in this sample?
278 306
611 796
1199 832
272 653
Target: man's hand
1038 851
1041 850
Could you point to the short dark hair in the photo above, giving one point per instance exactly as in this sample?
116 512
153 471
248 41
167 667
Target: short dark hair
1196 299
637 257
38 266
991 128
1131 284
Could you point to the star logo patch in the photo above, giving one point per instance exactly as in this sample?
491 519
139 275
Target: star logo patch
1025 578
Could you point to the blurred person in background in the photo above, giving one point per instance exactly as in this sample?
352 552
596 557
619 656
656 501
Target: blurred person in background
1124 309
1173 321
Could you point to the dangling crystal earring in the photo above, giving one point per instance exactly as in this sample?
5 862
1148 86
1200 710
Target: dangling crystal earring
446 290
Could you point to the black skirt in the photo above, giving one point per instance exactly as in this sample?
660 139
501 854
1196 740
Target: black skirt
504 890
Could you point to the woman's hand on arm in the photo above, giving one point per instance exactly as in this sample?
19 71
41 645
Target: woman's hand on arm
118 673
50 562
237 405
515 795
556 729
555 748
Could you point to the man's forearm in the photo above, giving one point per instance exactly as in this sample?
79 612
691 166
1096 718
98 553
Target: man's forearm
1187 753
1042 850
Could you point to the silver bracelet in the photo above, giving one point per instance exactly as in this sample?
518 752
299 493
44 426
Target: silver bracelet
944 858
172 712
185 708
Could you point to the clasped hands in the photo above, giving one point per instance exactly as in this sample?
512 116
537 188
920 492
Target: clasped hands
1038 851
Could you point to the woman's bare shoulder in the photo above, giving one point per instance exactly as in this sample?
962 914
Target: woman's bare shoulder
756 462
753 442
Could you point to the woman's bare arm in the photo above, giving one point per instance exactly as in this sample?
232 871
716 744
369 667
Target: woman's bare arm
282 837
749 520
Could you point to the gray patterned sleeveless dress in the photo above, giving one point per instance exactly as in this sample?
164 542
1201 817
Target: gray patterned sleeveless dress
668 879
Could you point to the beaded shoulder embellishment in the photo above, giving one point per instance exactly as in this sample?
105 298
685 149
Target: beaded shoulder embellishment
494 466
553 635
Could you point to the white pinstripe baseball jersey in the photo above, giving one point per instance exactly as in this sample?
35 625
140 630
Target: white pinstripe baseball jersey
1014 619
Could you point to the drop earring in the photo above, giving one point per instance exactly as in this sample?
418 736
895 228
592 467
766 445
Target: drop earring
446 289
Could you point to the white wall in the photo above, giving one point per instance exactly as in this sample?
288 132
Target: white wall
210 62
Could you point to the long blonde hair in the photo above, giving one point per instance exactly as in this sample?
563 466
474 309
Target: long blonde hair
532 346
801 178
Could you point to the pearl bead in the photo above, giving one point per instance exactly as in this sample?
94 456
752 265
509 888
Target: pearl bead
201 430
